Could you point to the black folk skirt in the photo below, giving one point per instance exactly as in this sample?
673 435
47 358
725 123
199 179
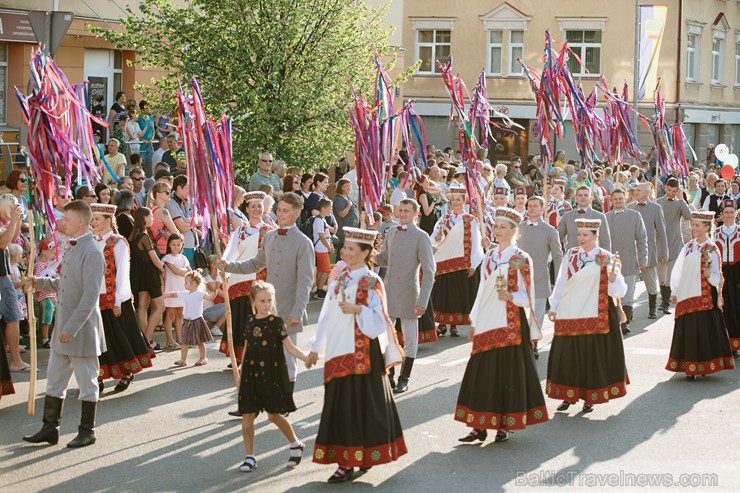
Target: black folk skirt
453 296
700 344
6 382
501 388
589 367
127 350
241 308
359 422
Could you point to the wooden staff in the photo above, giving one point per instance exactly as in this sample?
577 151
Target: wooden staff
227 304
31 319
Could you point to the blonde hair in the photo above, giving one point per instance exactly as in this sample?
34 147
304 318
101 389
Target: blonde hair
15 250
7 202
258 287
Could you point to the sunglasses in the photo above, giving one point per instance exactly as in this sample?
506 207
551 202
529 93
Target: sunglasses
22 180
266 160
139 178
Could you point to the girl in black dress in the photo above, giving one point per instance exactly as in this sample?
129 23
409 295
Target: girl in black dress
264 384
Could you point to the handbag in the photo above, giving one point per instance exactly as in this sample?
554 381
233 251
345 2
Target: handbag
200 259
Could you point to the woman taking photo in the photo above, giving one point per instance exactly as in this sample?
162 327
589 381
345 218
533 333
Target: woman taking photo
359 423
500 389
700 344
147 272
587 356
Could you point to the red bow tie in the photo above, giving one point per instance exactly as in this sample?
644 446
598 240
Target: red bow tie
581 211
282 232
641 204
401 228
72 242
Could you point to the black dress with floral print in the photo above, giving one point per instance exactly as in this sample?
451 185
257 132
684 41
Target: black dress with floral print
264 373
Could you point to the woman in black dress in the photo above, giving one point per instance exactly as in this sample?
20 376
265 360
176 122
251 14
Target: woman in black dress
146 275
359 422
124 219
429 212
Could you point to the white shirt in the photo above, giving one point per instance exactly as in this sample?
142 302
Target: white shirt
319 230
397 196
121 257
192 304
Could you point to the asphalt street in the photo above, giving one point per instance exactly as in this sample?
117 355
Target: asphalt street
169 432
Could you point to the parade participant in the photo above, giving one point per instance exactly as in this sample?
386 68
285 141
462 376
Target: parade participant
557 206
700 344
542 244
500 389
500 197
630 243
127 351
675 208
652 217
195 331
244 244
520 201
78 339
459 253
587 356
264 384
727 239
713 202
407 251
6 379
147 272
359 423
568 229
289 258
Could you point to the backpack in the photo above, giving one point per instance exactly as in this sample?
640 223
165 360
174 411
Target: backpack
307 226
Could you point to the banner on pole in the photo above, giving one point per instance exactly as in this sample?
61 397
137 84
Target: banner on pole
652 26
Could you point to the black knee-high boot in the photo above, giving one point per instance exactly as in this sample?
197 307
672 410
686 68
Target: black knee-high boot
403 381
86 430
52 419
665 302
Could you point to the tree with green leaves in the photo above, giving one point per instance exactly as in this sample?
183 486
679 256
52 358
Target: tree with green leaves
284 69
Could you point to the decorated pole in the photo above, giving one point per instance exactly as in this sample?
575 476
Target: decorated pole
31 318
210 172
60 146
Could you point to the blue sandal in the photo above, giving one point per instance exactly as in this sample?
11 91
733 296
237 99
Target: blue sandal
249 464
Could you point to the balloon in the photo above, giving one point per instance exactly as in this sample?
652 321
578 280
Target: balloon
727 172
731 159
721 151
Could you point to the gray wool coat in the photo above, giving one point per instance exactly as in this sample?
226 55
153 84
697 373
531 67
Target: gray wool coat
628 240
541 242
290 263
652 216
673 212
569 232
405 253
78 293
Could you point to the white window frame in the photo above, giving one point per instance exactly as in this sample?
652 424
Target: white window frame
4 88
737 60
434 25
692 58
490 46
583 47
717 61
512 58
584 24
694 29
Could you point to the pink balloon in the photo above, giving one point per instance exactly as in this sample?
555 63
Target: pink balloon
727 172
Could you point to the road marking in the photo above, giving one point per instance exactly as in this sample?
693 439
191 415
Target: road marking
425 361
456 362
648 351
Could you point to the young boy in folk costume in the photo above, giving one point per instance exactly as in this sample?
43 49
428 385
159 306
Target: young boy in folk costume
587 356
359 422
501 389
244 244
700 344
727 239
459 253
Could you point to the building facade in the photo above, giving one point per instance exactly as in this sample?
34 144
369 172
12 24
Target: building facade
698 61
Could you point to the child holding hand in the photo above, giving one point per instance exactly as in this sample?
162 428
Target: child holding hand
264 384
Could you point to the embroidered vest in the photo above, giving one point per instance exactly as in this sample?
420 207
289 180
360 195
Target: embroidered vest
588 325
108 299
728 245
458 263
242 289
704 300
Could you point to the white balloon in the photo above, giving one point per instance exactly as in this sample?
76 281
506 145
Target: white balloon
730 159
721 151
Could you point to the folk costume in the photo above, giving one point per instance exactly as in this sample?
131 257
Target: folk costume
128 352
727 239
556 209
459 251
244 244
568 229
652 217
587 356
408 256
359 423
6 380
674 210
500 389
700 344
